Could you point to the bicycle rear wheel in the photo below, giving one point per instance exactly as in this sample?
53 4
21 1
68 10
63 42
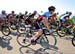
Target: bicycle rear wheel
73 41
22 40
21 29
5 30
13 26
61 31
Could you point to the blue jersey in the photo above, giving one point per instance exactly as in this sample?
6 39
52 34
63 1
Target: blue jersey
47 14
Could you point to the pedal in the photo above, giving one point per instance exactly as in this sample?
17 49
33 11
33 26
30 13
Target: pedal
29 36
22 29
23 40
33 42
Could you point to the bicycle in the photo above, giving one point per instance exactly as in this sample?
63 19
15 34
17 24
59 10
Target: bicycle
63 30
19 26
5 27
73 39
22 38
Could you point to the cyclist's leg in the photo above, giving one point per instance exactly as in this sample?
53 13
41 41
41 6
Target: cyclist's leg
47 23
50 25
35 37
37 34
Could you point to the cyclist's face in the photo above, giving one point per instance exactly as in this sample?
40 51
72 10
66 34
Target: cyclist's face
12 12
52 11
67 18
32 20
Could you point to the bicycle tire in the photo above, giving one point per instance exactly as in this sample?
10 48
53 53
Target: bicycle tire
47 39
21 43
73 39
4 28
13 28
21 29
60 30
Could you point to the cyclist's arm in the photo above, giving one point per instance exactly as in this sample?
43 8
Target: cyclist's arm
45 21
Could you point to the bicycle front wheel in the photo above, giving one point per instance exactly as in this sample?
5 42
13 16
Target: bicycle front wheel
5 30
22 40
50 39
73 41
21 29
13 26
61 31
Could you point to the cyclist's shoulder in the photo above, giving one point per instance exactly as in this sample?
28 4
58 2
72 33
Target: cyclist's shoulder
46 12
63 14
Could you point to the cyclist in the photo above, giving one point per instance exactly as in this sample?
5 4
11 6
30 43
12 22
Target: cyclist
3 15
22 17
12 14
65 17
73 21
12 17
49 16
36 23
26 12
66 21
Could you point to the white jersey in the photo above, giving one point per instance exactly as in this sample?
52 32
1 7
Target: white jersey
36 16
2 16
62 17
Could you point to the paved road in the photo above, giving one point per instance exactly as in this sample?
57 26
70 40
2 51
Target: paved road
64 46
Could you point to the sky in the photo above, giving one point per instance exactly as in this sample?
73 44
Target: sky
31 5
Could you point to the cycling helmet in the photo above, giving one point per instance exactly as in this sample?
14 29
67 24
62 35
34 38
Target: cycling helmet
26 12
34 12
3 11
12 11
68 12
51 8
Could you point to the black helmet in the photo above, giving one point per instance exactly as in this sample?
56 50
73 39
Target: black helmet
35 12
68 12
26 12
3 11
13 11
51 8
